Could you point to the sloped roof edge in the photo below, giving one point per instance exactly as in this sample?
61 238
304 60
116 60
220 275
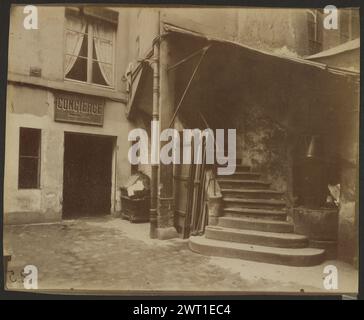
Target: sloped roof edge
176 29
344 47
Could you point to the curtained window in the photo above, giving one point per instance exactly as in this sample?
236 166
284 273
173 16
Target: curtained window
314 25
89 49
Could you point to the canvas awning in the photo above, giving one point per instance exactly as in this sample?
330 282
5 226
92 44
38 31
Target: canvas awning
231 71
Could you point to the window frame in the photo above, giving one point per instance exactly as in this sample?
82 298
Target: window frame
39 158
316 42
89 58
349 34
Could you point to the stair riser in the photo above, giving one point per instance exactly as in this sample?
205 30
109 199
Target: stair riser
238 161
242 169
244 175
291 260
236 204
281 217
256 226
255 239
242 185
253 195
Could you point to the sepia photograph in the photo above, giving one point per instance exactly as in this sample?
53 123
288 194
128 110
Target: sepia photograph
182 150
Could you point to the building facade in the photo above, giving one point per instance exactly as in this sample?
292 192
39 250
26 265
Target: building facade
65 92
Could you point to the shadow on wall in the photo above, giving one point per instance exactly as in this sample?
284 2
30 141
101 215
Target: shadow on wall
264 146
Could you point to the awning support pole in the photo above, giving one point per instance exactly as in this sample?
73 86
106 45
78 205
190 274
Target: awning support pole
186 59
204 50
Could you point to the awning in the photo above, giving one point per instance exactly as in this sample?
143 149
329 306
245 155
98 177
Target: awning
139 83
231 71
286 58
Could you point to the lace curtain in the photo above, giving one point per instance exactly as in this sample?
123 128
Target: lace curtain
75 34
103 37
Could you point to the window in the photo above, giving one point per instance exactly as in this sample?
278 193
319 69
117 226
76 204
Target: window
349 24
314 20
29 158
89 48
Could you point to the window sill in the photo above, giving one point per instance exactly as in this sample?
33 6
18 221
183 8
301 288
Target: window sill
70 86
90 85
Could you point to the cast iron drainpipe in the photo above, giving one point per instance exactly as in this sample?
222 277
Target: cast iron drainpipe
155 117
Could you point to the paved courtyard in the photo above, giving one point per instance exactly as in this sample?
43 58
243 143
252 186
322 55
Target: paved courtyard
110 254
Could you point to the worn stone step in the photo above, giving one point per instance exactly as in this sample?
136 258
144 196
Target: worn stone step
269 239
255 213
253 203
242 168
256 224
248 175
243 183
238 162
252 193
283 256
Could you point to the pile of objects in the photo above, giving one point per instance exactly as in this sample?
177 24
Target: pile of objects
135 198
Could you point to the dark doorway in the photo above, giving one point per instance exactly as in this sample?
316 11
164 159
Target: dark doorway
87 175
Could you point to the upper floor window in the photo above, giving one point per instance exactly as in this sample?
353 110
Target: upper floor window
349 24
90 46
314 20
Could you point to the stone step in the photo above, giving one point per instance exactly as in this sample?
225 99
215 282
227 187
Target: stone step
244 176
256 224
238 162
243 183
253 203
252 193
283 256
269 239
242 168
255 213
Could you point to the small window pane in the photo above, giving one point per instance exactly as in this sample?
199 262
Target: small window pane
102 73
79 70
73 41
29 142
29 158
28 173
102 50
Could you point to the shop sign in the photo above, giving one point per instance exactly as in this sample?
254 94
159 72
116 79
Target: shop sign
77 108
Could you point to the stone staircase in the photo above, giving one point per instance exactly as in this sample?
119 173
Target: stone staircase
254 226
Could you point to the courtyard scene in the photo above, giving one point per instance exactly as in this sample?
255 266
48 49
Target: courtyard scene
152 150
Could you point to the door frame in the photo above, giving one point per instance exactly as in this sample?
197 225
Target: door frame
113 191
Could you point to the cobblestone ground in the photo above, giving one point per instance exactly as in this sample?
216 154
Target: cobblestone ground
110 254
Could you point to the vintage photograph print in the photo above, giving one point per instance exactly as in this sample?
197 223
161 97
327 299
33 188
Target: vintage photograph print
182 150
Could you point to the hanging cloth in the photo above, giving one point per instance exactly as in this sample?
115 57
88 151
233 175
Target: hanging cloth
104 50
75 34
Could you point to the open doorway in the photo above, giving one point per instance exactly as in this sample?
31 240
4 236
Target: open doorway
87 175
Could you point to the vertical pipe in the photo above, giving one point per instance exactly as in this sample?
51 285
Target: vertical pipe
115 173
155 117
